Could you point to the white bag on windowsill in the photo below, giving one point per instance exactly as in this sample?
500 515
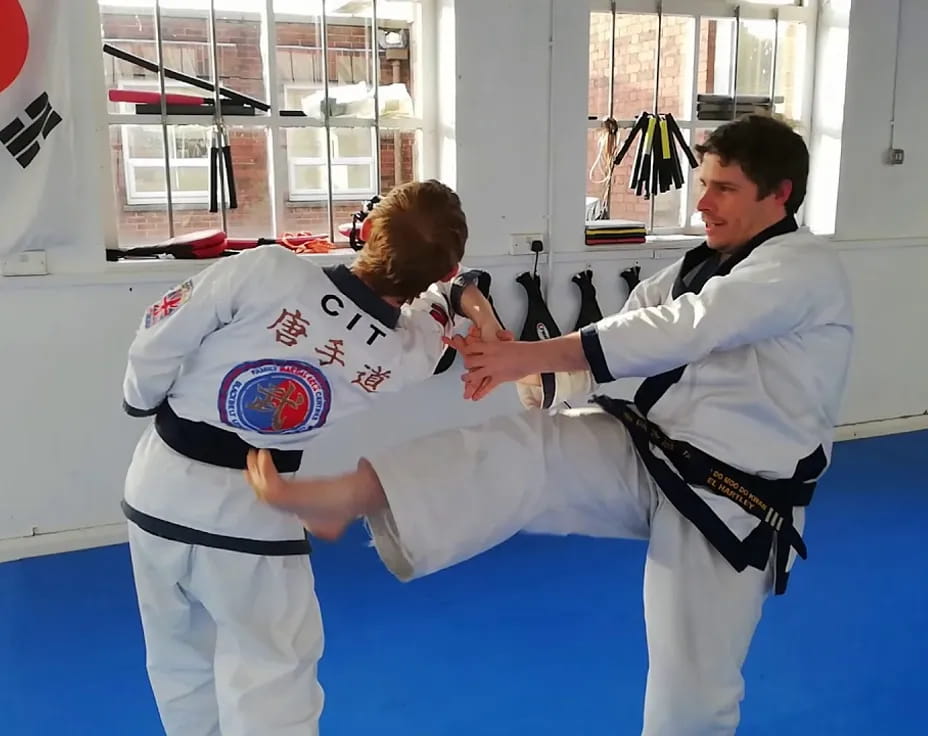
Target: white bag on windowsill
357 101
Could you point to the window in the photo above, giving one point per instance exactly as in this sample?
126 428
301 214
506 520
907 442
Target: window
704 62
350 150
328 140
143 157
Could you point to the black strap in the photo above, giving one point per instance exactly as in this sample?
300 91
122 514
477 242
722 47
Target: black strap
699 265
188 535
770 501
208 444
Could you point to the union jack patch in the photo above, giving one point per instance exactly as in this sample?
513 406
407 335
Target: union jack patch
170 303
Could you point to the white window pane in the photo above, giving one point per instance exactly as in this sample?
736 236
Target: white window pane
191 142
351 142
791 69
148 180
190 179
144 141
350 178
306 142
755 57
309 178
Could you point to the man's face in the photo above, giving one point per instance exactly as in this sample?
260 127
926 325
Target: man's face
729 205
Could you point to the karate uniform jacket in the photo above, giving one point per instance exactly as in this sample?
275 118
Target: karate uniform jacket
274 348
750 369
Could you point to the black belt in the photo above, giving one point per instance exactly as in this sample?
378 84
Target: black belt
188 535
770 501
207 444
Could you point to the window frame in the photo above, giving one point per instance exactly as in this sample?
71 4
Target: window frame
421 51
130 163
804 12
295 194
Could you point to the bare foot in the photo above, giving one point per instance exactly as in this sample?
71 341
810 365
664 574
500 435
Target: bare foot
329 530
326 506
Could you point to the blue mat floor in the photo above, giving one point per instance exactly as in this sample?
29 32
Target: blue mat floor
542 635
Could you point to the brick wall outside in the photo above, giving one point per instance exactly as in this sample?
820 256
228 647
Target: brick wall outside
241 69
299 60
635 69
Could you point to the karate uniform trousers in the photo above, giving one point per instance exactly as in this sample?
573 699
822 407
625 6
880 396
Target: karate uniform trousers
577 472
233 639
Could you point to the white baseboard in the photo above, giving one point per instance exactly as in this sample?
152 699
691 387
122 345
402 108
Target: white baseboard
879 427
55 543
109 534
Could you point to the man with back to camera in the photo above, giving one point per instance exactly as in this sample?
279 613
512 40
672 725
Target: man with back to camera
744 345
269 349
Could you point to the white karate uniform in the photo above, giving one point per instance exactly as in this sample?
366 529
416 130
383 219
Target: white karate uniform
765 349
270 348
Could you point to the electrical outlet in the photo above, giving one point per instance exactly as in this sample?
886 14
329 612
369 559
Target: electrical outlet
520 244
25 263
895 156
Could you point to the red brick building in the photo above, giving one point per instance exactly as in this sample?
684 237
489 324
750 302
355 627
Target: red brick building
137 147
138 154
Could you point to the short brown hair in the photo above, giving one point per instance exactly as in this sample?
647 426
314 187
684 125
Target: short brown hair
417 237
767 149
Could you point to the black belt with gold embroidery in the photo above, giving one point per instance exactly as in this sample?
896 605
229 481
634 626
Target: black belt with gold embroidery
770 501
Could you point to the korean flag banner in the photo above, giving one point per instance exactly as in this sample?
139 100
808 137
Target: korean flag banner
48 197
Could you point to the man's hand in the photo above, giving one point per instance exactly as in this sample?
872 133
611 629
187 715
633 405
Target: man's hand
489 332
490 364
262 476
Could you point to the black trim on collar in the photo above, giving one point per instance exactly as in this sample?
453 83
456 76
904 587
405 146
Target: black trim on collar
654 387
701 253
360 293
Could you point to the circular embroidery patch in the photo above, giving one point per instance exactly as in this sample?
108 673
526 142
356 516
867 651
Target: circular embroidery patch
275 397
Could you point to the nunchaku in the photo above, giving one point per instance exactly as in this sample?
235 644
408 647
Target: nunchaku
220 164
221 172
657 167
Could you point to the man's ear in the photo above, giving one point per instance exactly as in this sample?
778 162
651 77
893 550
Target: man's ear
365 232
784 191
451 274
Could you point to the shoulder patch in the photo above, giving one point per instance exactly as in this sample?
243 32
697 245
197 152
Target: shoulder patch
170 303
275 397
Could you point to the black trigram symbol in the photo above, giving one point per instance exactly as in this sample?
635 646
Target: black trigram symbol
22 140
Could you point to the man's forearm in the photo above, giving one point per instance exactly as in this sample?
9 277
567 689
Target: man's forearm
554 355
477 308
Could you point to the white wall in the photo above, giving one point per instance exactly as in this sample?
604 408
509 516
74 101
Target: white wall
64 443
877 201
